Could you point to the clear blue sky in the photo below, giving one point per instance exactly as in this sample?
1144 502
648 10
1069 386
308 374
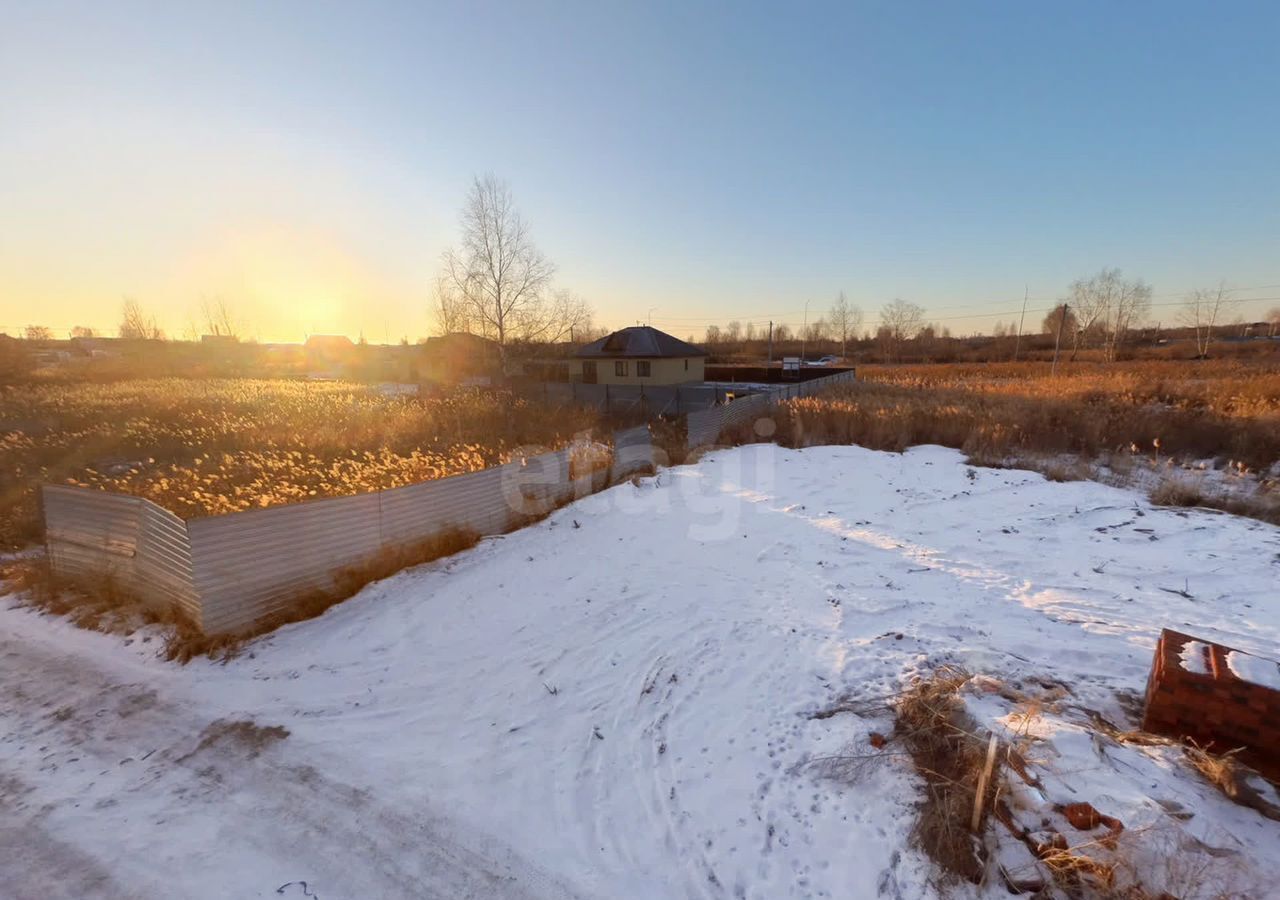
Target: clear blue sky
307 160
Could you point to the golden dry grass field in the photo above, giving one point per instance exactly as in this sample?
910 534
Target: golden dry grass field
1160 415
202 447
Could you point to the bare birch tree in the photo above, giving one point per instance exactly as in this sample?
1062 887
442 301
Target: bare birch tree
845 320
496 283
1201 311
1108 305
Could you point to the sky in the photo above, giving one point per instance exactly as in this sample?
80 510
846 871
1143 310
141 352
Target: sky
681 163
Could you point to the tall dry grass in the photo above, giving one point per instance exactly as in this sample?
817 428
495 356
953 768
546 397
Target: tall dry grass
1229 388
203 447
1006 414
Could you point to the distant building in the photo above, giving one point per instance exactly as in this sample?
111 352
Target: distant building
458 358
639 355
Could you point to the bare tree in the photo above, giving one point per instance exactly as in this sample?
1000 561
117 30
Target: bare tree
497 280
884 340
902 321
781 332
447 310
572 316
38 333
1200 312
733 332
219 318
83 331
1109 305
816 330
845 320
136 324
714 335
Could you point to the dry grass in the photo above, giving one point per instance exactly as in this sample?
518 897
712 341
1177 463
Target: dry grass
204 447
101 605
1005 414
948 750
1229 388
1237 781
950 755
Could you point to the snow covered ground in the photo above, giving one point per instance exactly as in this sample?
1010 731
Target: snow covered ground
617 702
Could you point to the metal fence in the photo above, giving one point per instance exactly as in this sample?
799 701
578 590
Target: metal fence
227 572
120 543
646 400
706 427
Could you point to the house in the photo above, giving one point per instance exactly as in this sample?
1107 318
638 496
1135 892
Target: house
639 355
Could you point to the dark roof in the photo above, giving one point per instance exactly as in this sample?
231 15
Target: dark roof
640 340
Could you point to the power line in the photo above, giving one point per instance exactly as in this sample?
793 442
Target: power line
704 323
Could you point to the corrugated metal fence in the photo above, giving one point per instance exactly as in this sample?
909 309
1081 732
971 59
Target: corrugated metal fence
647 400
228 572
121 543
706 427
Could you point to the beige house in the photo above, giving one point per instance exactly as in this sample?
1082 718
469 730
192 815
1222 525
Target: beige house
639 355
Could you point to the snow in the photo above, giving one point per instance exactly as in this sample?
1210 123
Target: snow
617 701
1254 669
1195 657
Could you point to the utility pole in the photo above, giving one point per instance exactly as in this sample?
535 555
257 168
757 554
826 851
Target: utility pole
1018 343
771 342
1062 319
804 332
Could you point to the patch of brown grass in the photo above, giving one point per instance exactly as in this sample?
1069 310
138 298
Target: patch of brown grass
98 605
242 736
1237 781
949 754
1178 492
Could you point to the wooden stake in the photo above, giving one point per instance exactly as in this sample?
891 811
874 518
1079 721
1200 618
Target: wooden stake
982 784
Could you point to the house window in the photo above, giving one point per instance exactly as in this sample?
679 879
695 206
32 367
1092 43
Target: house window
642 369
686 365
620 368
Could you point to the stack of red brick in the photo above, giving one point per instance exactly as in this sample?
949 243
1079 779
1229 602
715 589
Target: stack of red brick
1213 707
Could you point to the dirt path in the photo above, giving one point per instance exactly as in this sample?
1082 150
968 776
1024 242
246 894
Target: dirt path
230 807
